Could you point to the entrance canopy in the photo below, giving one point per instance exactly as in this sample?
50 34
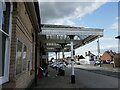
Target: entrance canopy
53 35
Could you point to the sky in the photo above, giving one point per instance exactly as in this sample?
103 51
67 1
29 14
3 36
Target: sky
103 15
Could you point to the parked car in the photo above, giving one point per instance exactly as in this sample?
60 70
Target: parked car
104 62
78 62
108 61
66 63
112 62
60 65
57 65
97 62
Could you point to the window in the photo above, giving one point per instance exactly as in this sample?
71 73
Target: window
2 42
21 57
24 57
30 62
31 59
5 33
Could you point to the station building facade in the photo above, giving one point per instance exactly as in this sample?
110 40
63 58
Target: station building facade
18 23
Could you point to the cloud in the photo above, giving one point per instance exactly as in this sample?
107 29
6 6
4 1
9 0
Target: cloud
65 12
118 18
109 46
114 26
78 0
103 48
107 39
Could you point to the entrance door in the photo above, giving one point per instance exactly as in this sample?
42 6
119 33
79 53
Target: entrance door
5 37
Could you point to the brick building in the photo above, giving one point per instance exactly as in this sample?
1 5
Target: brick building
18 24
117 56
108 55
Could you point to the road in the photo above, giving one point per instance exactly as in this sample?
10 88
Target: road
93 80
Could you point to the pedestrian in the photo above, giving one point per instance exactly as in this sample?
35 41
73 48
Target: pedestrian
45 68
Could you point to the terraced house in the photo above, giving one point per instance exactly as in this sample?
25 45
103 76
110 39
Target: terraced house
19 21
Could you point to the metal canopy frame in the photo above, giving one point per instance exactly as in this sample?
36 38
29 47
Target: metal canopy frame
52 35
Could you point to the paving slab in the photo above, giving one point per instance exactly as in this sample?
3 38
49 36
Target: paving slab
54 81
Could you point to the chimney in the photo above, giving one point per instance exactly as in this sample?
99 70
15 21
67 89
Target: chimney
111 51
85 53
88 52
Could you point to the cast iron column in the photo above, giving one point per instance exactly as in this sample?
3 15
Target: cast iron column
56 55
63 45
98 44
72 59
56 59
58 50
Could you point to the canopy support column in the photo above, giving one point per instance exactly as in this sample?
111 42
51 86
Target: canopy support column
57 58
98 45
63 45
56 55
72 59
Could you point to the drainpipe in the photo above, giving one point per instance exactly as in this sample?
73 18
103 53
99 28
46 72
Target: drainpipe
36 57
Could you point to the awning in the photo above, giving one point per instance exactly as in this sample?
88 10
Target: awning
52 35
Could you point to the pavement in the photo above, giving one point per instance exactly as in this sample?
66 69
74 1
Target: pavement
100 70
88 66
54 81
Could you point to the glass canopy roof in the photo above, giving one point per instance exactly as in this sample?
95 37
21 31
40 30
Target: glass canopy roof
52 35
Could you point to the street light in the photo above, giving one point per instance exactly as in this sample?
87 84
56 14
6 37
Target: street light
72 59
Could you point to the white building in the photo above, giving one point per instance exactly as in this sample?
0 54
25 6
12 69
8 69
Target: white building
89 58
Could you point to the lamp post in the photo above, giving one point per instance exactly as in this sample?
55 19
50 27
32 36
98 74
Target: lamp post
72 59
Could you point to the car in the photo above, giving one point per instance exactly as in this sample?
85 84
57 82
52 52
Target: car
112 62
104 62
66 63
60 65
108 61
57 65
97 62
53 65
78 62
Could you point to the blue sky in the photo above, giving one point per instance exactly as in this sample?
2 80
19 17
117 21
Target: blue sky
102 15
